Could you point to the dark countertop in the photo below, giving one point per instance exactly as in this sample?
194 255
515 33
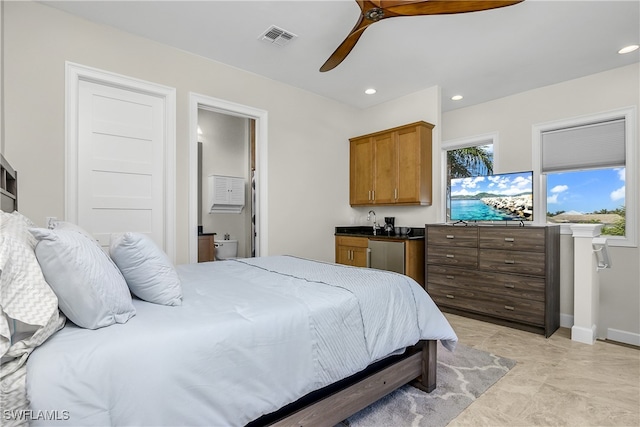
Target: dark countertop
367 231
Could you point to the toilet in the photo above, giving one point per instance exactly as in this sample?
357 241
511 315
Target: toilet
226 249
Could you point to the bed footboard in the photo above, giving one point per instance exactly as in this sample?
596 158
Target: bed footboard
329 406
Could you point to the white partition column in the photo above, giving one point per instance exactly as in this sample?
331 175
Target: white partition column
586 285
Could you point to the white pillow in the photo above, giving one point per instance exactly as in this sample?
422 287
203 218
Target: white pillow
91 290
146 268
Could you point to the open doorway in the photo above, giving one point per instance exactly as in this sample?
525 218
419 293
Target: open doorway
226 150
233 143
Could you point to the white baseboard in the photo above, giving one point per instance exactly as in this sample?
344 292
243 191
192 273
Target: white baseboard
583 334
623 336
626 337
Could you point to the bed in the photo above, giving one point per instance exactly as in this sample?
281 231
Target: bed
259 341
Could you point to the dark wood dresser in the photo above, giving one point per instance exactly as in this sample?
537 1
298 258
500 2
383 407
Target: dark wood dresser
508 275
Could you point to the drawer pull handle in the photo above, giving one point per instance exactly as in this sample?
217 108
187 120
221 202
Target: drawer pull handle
451 277
450 256
508 307
450 296
510 286
450 236
509 261
509 239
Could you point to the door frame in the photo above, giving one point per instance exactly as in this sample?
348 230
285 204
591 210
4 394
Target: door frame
196 102
74 73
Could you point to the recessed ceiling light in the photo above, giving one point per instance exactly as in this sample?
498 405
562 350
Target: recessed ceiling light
370 91
628 49
456 97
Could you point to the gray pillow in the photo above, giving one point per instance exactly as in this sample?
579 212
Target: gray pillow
91 290
146 268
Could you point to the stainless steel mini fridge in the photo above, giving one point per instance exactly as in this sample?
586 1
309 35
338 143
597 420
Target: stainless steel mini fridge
386 255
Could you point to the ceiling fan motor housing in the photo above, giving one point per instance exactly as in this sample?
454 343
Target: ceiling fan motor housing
374 14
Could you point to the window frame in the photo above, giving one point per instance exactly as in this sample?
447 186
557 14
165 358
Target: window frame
629 114
454 144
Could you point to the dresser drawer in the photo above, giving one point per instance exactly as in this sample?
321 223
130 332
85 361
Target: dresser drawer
512 238
512 285
509 308
507 285
451 276
512 262
466 237
461 257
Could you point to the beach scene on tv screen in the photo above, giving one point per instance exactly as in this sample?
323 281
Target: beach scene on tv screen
501 197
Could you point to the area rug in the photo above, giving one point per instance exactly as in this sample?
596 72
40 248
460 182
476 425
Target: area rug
462 376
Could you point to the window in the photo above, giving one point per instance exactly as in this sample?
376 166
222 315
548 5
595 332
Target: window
466 158
587 175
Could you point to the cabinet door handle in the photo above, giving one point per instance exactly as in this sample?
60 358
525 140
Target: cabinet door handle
509 239
509 261
395 194
450 256
450 296
373 194
451 277
510 286
450 236
508 307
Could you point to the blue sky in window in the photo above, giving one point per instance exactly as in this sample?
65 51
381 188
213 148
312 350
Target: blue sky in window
586 191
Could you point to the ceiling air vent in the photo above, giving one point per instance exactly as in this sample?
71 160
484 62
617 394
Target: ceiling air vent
277 36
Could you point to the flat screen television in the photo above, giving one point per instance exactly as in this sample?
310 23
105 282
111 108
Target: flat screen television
498 197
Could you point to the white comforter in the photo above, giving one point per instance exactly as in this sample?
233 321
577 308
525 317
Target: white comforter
251 336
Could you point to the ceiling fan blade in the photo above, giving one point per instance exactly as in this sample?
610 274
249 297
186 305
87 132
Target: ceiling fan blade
346 46
442 7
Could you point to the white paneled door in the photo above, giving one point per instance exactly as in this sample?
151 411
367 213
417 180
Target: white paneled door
121 158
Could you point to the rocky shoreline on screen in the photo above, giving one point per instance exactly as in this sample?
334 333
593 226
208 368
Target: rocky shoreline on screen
519 206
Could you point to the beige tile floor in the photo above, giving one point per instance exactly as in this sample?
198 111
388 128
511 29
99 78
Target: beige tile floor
556 381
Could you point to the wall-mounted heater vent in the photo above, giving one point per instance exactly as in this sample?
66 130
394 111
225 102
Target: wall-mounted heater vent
277 36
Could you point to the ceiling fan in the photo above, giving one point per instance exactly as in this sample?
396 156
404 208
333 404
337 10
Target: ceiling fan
373 11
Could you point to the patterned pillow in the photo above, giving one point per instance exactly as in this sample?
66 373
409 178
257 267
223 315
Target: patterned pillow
17 225
25 294
146 268
91 290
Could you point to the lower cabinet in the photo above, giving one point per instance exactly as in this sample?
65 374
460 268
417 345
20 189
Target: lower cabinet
506 275
352 251
206 248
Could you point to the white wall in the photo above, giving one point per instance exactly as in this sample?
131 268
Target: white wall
308 148
308 134
513 117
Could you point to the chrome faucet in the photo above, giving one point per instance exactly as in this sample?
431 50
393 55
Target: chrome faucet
375 223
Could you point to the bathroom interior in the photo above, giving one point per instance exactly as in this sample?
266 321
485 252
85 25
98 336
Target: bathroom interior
224 150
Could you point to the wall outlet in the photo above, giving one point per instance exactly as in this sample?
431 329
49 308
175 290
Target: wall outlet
51 220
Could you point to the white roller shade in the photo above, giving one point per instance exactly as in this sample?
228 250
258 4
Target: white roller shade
597 145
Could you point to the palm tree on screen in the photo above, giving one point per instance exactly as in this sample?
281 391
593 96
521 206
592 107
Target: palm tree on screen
469 161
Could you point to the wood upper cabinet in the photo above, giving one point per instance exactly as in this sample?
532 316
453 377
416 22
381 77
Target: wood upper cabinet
361 167
392 166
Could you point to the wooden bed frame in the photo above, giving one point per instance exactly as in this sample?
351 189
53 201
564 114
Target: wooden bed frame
336 402
8 186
